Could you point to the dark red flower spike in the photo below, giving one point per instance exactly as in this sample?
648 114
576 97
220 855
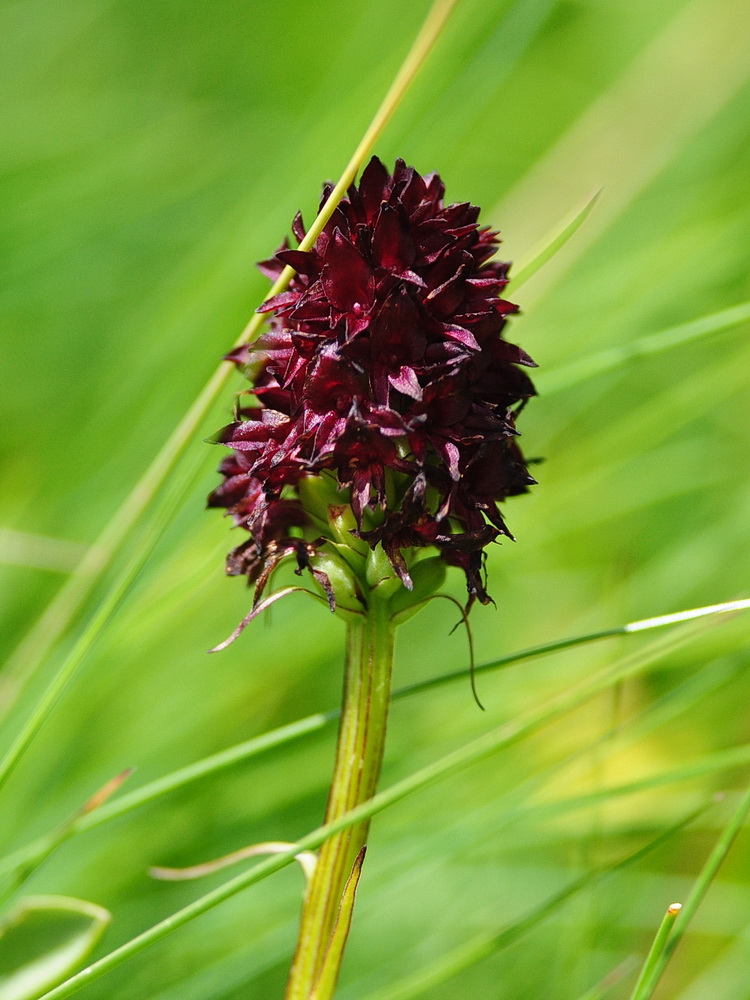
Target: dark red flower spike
385 363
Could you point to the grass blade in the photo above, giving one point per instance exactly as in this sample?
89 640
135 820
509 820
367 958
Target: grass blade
656 951
549 247
684 76
30 857
674 336
728 607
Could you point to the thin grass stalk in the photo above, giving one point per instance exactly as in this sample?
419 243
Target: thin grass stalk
551 245
656 950
359 756
653 343
700 888
58 615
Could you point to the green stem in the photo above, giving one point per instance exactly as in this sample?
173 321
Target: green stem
359 755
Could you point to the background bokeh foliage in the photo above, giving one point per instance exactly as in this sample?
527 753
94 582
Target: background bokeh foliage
150 154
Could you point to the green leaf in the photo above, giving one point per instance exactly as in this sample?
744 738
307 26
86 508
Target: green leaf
45 939
329 972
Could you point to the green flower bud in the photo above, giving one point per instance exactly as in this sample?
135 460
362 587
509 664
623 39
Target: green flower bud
428 576
380 574
342 523
339 583
317 494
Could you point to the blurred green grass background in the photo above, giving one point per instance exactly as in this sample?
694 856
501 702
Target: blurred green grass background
152 153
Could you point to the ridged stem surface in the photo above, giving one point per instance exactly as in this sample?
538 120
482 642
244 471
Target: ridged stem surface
359 755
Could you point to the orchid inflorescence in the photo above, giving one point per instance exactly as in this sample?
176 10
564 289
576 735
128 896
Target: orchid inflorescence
382 413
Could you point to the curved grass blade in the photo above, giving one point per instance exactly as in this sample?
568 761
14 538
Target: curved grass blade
613 358
503 736
549 247
697 893
43 940
22 862
307 862
56 618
